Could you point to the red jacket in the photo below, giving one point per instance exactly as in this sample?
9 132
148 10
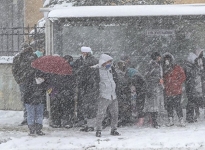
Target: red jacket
173 81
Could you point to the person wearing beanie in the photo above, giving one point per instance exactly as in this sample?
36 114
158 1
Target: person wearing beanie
138 87
153 76
88 88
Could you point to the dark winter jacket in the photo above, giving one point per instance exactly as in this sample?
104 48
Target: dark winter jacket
140 85
193 83
35 93
21 68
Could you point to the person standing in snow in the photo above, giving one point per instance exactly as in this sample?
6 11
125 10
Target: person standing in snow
123 97
22 72
108 96
153 76
138 88
34 102
193 86
174 77
88 88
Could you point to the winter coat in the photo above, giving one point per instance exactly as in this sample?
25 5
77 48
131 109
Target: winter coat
193 83
21 67
137 80
154 88
107 83
174 77
36 93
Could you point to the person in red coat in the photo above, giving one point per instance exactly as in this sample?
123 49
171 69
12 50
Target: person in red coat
174 77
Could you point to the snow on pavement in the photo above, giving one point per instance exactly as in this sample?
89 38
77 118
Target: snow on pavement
14 137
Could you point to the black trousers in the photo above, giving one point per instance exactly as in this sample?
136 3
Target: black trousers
193 105
174 102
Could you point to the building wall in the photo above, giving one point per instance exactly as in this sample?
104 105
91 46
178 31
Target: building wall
32 12
9 90
189 1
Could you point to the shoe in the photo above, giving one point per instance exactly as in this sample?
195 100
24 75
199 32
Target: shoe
24 122
40 133
55 126
90 129
32 130
140 122
170 123
98 133
84 129
182 123
114 132
68 126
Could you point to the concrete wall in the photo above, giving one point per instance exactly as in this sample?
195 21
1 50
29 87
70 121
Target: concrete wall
189 1
9 90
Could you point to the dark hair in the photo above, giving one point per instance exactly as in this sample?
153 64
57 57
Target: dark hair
155 55
69 58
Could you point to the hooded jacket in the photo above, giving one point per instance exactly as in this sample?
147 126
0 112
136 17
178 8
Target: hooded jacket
107 83
174 77
193 77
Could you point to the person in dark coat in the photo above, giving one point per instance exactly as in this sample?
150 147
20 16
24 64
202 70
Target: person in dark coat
193 86
35 96
123 95
154 81
138 88
174 77
88 88
22 72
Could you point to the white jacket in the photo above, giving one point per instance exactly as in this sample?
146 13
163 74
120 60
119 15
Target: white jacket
107 84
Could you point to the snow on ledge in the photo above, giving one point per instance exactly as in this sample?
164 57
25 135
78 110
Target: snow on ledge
6 59
128 11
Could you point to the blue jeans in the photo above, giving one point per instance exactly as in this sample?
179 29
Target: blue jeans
34 113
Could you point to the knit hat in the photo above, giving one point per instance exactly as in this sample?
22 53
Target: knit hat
155 55
86 49
131 72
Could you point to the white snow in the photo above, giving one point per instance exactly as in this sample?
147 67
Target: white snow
46 3
6 59
14 137
125 11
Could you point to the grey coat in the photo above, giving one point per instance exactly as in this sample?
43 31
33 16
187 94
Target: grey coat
154 100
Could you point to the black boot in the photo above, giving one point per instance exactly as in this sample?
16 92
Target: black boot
98 133
114 132
39 128
24 122
32 130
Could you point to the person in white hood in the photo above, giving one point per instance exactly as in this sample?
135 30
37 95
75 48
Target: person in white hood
108 97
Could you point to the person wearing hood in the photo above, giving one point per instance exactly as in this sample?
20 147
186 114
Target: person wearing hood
174 77
88 88
23 72
193 86
153 76
138 89
108 97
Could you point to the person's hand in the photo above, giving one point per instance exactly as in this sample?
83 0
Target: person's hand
161 81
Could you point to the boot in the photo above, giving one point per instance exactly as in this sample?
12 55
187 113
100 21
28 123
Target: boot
182 123
32 130
170 122
114 132
39 128
98 133
24 122
140 122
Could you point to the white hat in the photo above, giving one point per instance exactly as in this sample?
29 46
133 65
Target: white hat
86 49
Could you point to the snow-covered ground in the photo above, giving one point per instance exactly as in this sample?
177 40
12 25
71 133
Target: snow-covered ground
14 137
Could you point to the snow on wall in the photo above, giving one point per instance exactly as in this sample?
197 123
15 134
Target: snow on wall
125 11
